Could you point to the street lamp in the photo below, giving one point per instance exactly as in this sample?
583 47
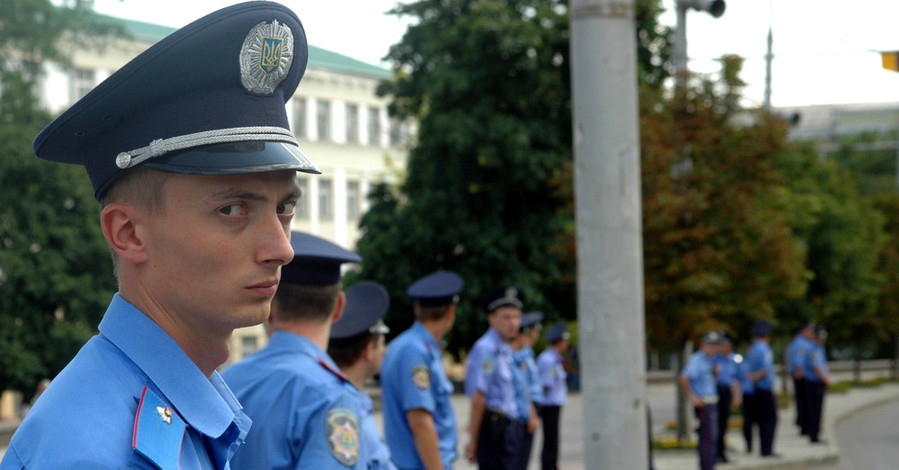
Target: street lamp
713 7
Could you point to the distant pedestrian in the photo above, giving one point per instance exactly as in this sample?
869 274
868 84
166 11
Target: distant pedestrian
748 407
796 353
529 391
760 370
697 381
555 392
818 381
728 391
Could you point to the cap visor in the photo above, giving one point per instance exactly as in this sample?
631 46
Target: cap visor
235 158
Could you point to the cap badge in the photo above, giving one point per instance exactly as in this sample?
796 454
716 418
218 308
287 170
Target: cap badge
265 57
165 414
511 293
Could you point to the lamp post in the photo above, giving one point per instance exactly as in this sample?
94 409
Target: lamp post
713 7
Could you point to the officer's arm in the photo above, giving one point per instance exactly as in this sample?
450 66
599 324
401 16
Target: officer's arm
736 393
425 435
533 420
685 386
478 405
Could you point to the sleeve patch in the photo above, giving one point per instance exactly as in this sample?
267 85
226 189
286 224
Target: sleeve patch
488 365
421 377
343 435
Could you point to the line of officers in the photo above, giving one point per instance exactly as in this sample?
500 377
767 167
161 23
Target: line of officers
305 390
715 379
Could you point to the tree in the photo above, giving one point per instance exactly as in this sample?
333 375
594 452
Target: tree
55 272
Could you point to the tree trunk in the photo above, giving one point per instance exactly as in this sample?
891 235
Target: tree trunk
683 415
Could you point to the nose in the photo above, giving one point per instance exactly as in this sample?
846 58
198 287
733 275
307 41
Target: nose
275 249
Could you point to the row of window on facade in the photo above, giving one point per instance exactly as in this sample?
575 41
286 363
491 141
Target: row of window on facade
326 200
83 80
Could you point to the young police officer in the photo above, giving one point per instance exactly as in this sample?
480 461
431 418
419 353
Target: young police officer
189 153
555 391
306 411
419 421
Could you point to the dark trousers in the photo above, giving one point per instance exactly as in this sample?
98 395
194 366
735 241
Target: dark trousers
814 396
725 398
708 435
523 455
766 417
748 409
549 457
498 442
800 393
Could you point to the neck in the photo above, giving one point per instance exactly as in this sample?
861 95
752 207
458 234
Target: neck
356 374
435 328
317 332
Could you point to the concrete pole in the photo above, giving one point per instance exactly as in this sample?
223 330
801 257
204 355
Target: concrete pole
609 234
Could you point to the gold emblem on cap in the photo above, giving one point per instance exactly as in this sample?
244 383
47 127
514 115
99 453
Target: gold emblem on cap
165 413
511 293
265 57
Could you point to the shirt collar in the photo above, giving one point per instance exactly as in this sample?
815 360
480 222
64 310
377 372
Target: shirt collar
425 334
292 342
206 404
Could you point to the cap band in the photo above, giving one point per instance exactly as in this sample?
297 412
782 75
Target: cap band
160 147
504 301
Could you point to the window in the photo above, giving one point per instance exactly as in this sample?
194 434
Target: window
374 126
303 204
399 133
324 120
352 200
83 81
248 345
325 197
352 124
300 128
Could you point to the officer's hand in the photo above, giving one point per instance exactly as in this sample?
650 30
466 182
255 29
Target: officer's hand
533 422
697 402
737 401
471 452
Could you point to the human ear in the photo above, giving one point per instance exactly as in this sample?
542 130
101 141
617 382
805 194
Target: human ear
120 224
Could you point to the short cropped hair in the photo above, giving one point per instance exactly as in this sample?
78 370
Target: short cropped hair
346 351
297 302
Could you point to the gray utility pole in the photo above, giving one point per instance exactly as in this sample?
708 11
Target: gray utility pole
611 322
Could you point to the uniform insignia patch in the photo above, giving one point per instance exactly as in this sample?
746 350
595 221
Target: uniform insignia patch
265 57
421 377
343 435
488 365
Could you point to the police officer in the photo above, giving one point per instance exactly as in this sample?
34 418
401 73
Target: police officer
760 370
496 435
728 391
357 347
796 353
551 371
528 391
188 150
697 381
419 421
748 408
818 380
306 411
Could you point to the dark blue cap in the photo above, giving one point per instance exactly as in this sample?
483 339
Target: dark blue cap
761 328
509 295
316 261
207 99
530 320
556 333
436 289
712 337
366 303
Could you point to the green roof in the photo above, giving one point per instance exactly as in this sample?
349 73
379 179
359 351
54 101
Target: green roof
318 58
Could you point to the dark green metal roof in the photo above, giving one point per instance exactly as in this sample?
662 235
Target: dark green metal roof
318 58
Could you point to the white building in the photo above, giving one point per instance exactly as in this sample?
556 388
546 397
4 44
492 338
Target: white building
338 119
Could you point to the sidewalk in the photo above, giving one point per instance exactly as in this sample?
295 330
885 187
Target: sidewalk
795 451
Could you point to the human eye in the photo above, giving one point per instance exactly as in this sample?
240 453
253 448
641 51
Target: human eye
233 210
287 208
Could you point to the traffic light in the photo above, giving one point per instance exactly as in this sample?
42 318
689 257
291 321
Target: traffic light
890 60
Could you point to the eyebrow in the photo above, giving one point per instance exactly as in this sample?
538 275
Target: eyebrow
236 193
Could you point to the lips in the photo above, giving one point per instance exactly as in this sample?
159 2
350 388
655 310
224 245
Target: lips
265 288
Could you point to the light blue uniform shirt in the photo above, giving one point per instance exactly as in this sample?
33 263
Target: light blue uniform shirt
306 412
412 377
86 418
817 356
761 357
522 392
489 371
746 385
700 371
797 351
552 374
378 453
727 369
535 388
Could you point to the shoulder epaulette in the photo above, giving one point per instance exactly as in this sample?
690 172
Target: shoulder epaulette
158 431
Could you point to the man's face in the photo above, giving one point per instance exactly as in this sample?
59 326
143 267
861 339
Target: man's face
215 251
710 349
505 321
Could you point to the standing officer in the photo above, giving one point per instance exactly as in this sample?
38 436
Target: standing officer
528 391
796 353
818 381
496 435
748 408
728 391
760 370
357 347
306 411
189 153
555 391
697 380
419 421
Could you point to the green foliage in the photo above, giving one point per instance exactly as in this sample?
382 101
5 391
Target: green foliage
55 272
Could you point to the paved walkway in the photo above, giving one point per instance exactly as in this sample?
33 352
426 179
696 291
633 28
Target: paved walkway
795 451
